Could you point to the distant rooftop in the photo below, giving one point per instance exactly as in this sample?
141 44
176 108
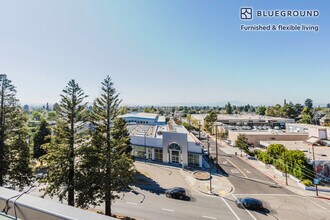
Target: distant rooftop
321 153
140 115
249 117
306 126
268 132
144 118
243 117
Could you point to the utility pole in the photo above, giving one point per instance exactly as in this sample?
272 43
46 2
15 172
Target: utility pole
216 146
315 174
199 129
208 149
286 172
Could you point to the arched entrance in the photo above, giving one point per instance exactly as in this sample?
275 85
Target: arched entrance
174 153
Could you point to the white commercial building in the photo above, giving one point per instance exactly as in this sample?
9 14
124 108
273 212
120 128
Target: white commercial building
247 120
166 143
320 132
144 118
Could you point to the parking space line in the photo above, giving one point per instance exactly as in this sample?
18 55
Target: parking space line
237 168
209 217
132 203
169 210
230 208
254 218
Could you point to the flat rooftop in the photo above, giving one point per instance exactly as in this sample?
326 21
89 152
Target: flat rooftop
321 153
140 115
141 130
155 131
306 126
269 132
244 117
250 117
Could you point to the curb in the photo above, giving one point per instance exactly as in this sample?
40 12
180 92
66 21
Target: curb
322 197
209 194
202 192
201 179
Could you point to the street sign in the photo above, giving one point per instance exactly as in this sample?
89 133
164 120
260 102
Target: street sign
316 181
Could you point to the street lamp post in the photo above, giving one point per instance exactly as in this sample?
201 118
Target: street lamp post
315 174
208 150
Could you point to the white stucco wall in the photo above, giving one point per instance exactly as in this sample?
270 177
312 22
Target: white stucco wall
154 142
193 147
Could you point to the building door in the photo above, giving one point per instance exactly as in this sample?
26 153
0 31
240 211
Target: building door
175 156
149 154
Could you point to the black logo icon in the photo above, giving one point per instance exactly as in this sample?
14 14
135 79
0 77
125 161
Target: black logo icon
246 13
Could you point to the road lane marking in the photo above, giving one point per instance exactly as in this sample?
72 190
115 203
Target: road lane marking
246 170
314 202
265 195
132 203
234 171
209 217
245 208
237 168
230 208
328 203
169 210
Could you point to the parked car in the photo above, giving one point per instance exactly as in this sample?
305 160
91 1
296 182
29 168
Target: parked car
227 141
250 157
205 152
41 175
249 203
176 193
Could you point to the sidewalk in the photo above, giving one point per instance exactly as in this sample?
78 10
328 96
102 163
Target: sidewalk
293 186
220 185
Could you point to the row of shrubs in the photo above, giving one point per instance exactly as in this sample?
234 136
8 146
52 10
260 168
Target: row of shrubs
293 162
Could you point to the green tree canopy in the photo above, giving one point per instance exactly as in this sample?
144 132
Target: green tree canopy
306 116
105 165
40 138
209 121
15 167
261 110
229 109
242 142
309 103
69 136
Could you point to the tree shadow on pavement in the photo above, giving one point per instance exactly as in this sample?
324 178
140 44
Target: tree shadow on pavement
144 182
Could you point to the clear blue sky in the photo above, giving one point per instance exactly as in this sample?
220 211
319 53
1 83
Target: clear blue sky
163 51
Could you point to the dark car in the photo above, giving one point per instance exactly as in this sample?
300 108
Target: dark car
249 203
176 193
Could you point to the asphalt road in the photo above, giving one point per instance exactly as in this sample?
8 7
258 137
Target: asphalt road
244 177
279 204
149 201
153 204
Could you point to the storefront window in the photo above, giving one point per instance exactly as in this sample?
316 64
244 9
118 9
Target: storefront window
159 154
139 151
193 159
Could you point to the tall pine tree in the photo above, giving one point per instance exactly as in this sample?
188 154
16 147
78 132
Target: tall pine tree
61 157
105 163
40 138
15 167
